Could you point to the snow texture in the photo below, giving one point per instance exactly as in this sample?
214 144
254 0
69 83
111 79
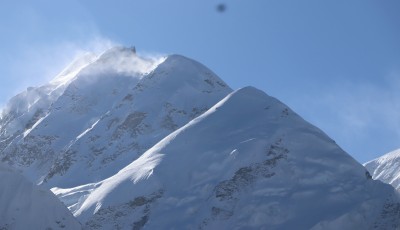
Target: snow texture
110 112
128 142
23 205
247 163
386 168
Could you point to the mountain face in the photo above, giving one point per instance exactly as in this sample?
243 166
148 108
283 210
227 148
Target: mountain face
386 168
23 205
100 114
247 163
128 142
110 111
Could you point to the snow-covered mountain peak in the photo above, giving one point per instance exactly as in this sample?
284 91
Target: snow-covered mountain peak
181 75
112 110
386 168
116 61
182 64
131 142
123 61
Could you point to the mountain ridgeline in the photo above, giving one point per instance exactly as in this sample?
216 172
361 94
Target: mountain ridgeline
386 168
127 142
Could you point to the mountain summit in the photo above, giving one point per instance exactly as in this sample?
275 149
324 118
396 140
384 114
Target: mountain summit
127 142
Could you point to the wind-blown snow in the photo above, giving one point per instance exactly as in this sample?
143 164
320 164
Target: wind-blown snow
105 114
70 72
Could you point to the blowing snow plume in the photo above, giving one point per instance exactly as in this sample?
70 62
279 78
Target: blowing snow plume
77 88
116 60
124 61
103 60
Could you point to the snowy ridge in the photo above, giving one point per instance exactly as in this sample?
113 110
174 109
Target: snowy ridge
263 173
25 206
386 168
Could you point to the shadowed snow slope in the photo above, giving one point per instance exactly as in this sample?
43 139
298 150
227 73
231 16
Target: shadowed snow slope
386 168
24 206
248 162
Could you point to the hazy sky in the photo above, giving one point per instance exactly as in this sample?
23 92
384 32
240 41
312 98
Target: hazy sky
335 62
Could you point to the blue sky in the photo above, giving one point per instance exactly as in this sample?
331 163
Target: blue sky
335 62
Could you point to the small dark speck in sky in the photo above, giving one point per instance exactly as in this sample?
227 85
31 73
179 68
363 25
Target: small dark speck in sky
221 8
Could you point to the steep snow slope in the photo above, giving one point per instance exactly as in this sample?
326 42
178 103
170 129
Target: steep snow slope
24 206
147 110
24 112
99 115
386 168
247 163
